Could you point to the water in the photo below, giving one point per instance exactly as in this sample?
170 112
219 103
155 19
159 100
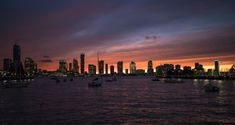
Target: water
130 100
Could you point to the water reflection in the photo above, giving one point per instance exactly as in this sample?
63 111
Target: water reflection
130 100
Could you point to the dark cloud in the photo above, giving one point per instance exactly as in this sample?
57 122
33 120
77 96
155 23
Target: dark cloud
61 28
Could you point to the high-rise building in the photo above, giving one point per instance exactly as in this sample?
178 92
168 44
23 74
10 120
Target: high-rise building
91 69
30 66
112 70
120 67
101 67
106 69
177 67
187 70
7 64
198 67
63 66
126 71
18 67
70 67
150 67
75 66
132 67
217 67
82 63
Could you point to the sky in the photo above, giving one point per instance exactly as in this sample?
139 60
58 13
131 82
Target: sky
165 31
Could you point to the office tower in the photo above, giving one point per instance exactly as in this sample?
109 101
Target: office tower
63 66
30 66
112 70
7 64
198 66
126 71
18 67
150 67
132 67
82 63
70 67
120 67
91 69
75 66
217 67
187 70
106 69
177 67
101 67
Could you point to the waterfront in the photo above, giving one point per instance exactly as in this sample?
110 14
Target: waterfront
129 100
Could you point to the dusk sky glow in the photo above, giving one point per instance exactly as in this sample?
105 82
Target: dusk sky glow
165 31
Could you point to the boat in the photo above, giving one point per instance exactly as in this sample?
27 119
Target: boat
95 83
211 88
111 80
173 81
14 84
155 79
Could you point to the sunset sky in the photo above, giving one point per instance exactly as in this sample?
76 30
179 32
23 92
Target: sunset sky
165 31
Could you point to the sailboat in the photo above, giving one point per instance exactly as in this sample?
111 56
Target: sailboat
95 82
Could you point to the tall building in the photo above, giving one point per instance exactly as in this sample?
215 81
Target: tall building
126 71
106 69
18 67
217 67
101 67
7 64
70 67
177 67
112 70
82 63
120 67
187 70
132 67
63 66
30 66
91 69
75 66
150 67
198 67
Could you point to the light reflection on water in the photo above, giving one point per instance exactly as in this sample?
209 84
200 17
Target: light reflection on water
130 100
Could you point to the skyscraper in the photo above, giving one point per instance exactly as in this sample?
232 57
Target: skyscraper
75 66
91 69
177 67
63 66
70 67
30 66
101 67
150 67
82 63
106 69
132 67
7 64
126 71
120 67
217 67
18 68
112 70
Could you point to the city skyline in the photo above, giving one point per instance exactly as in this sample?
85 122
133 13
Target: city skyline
162 31
68 66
